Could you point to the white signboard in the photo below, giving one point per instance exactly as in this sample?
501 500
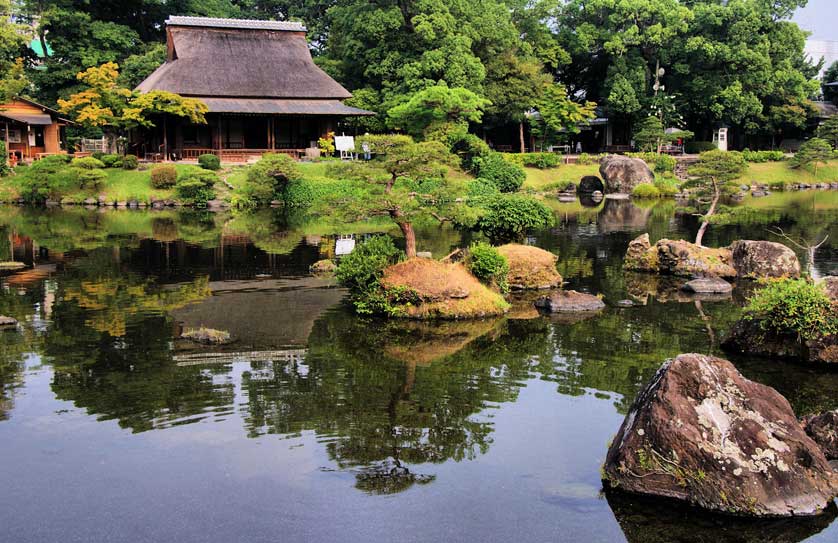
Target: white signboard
344 246
344 143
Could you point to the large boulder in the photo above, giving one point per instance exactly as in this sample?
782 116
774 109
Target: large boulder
830 284
707 285
530 268
823 429
755 259
702 433
678 257
590 184
641 256
621 173
421 288
570 301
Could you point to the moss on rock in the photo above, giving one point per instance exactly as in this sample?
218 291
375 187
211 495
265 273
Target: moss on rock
530 268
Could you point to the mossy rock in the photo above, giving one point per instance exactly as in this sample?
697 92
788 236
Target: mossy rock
530 268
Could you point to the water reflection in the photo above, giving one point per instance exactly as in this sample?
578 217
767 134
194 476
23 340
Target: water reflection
390 405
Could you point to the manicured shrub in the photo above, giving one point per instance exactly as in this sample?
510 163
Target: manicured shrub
698 147
793 306
664 163
97 155
268 178
480 189
379 144
586 159
196 187
361 271
163 176
509 217
468 147
47 178
130 162
645 190
763 156
85 163
111 161
209 161
667 187
91 179
488 265
507 177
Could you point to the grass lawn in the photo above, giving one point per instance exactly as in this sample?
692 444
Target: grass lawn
554 178
780 172
123 185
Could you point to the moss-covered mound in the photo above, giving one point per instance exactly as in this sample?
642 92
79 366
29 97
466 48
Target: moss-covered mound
422 288
530 268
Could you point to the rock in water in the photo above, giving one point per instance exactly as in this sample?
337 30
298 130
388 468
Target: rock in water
590 184
7 322
830 284
641 256
823 429
570 301
323 267
702 433
757 259
621 173
708 285
530 268
685 259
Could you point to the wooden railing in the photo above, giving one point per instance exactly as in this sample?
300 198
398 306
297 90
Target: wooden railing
235 155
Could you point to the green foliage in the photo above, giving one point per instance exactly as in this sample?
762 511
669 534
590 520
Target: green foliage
209 161
812 152
558 114
196 187
665 164
47 178
763 156
509 217
135 68
479 190
437 110
794 306
718 167
112 161
506 176
828 130
4 160
130 162
698 147
468 147
327 144
586 159
542 161
87 163
488 265
667 187
90 179
649 134
645 190
267 179
163 176
361 270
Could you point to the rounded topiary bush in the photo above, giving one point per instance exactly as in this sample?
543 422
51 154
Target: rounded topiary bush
209 161
506 176
163 176
91 179
698 147
645 190
130 162
508 217
488 265
112 161
196 187
468 147
87 163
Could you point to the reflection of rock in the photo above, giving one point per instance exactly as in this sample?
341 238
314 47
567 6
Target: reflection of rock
569 301
530 268
755 259
590 184
621 173
702 433
424 343
678 257
657 520
523 305
749 337
823 429
323 267
388 477
665 289
619 215
709 285
590 200
206 336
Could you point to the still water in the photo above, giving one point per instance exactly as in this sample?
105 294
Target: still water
318 425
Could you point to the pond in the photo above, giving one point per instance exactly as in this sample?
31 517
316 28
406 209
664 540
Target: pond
315 424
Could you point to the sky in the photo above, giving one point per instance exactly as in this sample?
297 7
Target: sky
821 18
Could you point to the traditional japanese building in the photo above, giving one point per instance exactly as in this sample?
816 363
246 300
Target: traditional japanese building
31 130
262 88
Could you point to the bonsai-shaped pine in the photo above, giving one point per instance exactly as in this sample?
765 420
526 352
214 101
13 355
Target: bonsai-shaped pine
416 186
811 152
829 131
650 135
713 170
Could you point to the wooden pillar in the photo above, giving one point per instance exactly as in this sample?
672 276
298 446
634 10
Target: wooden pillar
165 138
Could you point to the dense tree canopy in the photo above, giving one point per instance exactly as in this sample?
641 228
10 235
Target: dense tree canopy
739 62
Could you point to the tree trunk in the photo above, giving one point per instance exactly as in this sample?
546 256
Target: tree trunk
716 195
409 238
521 136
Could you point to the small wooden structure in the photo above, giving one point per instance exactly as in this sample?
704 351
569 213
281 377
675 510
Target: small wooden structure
31 130
262 88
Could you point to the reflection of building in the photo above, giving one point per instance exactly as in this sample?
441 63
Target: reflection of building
31 130
262 88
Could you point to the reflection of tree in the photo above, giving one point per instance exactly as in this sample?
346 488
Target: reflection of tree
380 415
15 343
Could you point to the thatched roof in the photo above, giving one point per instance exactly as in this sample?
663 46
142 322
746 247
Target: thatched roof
234 58
283 106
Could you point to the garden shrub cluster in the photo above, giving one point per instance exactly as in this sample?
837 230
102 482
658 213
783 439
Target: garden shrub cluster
698 147
196 187
272 178
763 156
542 161
507 177
47 178
645 190
664 164
130 162
163 176
667 187
488 265
586 159
209 161
508 217
361 271
793 306
468 147
111 161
